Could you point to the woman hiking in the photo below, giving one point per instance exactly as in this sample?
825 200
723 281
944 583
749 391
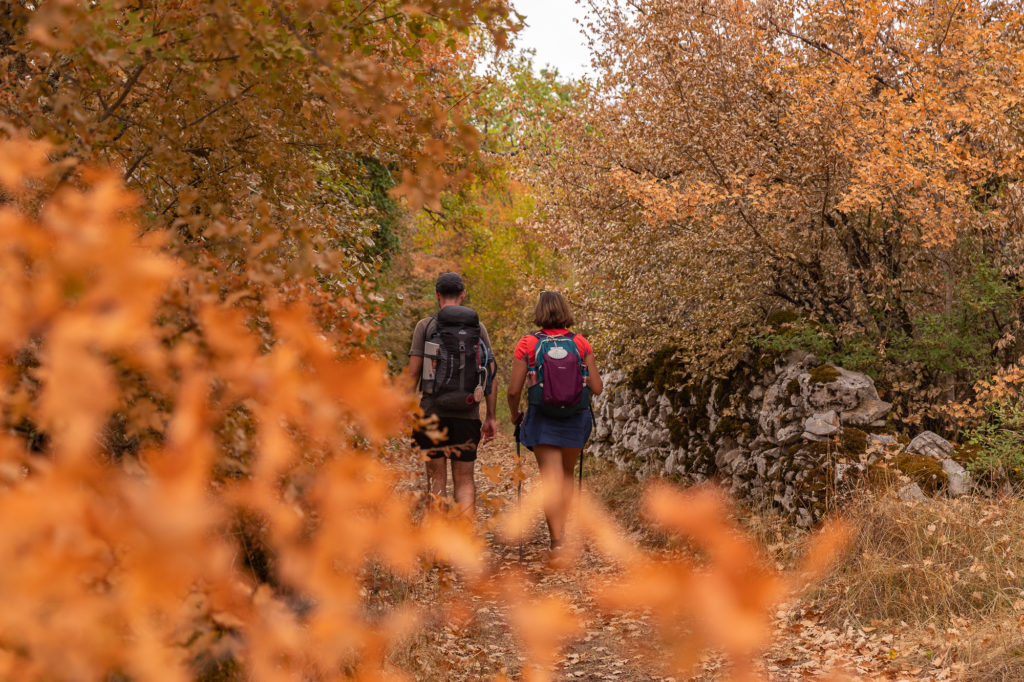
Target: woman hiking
560 372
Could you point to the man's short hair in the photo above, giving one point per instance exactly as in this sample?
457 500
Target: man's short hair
449 285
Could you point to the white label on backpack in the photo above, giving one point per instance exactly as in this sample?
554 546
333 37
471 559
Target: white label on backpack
557 353
430 350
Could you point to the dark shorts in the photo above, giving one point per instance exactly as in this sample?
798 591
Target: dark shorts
460 442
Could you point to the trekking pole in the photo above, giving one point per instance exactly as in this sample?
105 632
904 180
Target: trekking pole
519 481
579 488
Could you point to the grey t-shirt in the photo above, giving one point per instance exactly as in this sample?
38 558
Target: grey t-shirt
419 337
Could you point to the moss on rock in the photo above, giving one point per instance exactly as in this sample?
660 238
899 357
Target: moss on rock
823 374
921 469
678 430
853 441
665 370
727 426
793 387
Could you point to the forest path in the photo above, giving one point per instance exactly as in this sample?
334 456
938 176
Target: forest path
619 646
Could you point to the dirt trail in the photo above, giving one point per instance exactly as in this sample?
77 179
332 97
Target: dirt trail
612 647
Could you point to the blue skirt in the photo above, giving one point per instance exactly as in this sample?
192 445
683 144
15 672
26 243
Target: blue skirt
572 432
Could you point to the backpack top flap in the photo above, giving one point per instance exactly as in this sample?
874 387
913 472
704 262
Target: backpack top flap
457 316
546 342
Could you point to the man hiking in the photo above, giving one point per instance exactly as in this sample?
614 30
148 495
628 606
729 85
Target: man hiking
451 363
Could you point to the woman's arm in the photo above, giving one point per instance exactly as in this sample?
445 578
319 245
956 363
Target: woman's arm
515 387
594 380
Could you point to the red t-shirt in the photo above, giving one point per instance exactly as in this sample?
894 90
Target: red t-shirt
528 344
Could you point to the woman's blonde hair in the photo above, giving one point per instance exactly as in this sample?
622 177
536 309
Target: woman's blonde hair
552 311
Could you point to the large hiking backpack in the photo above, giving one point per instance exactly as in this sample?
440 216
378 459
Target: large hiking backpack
561 389
463 366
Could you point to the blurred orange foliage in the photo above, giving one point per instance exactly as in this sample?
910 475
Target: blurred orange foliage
130 564
119 557
191 470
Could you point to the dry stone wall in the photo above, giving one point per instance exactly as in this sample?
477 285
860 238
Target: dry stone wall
794 434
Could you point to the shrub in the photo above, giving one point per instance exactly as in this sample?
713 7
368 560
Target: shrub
997 444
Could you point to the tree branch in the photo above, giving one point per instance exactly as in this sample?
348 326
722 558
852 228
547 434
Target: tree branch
128 85
217 108
135 164
824 47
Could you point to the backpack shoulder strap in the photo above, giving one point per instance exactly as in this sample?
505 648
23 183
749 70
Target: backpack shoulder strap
540 336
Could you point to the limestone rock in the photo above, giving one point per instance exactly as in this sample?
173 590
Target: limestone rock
670 464
655 438
664 407
867 412
632 444
785 500
788 434
958 480
822 424
846 391
724 460
759 419
931 444
912 493
776 402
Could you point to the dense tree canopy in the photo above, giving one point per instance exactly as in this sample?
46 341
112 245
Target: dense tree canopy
856 163
268 140
215 110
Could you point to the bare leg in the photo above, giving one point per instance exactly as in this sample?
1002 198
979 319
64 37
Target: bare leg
437 476
465 487
569 457
549 461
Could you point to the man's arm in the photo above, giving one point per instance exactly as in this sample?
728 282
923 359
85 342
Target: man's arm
413 371
415 368
490 426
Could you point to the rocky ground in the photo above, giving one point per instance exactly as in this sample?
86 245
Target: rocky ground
622 647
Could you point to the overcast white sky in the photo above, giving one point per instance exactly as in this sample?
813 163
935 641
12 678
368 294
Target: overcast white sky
551 31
